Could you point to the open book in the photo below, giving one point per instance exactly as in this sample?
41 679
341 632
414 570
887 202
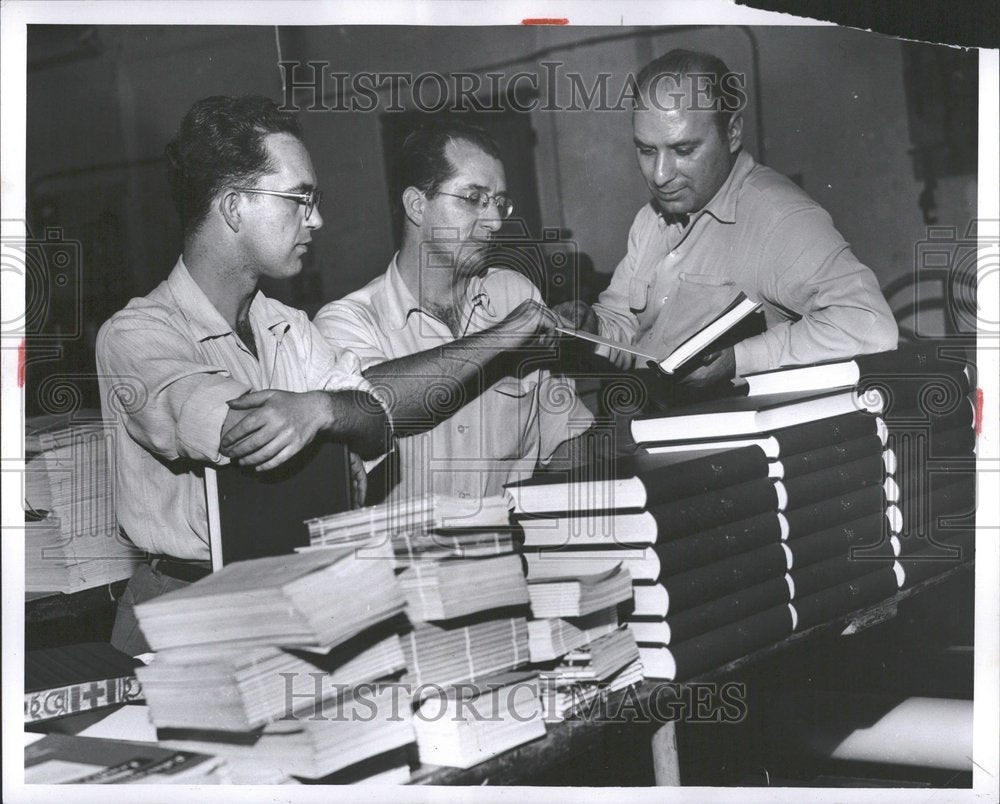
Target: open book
740 308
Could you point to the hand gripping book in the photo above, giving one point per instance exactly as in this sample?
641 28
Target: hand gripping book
695 345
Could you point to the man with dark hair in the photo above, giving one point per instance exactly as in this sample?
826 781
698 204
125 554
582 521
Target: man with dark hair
205 369
456 345
718 224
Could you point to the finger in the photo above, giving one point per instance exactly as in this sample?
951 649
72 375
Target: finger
252 399
246 426
254 442
265 453
285 454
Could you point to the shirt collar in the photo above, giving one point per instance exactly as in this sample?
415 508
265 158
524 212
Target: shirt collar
400 302
722 205
207 322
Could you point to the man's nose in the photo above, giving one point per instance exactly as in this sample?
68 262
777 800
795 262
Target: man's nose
664 170
315 219
490 219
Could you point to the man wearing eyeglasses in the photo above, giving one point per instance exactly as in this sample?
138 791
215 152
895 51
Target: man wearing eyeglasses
454 344
205 369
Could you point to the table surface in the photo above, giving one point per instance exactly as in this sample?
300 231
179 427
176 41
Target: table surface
580 734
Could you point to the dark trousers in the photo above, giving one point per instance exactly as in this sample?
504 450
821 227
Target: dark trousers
145 584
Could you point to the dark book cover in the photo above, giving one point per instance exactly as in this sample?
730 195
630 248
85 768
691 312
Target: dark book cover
867 531
835 510
715 648
814 487
731 504
697 586
910 358
730 608
827 604
936 414
715 544
802 463
821 433
839 569
940 391
665 476
67 679
263 514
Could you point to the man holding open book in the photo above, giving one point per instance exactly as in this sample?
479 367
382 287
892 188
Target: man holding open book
718 225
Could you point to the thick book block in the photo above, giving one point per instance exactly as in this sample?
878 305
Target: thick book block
804 463
824 432
700 585
712 649
839 569
843 508
723 541
732 504
730 608
956 443
947 416
637 481
834 481
868 531
830 603
77 678
737 416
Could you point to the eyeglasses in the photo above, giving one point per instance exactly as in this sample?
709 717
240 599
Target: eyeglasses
482 202
310 200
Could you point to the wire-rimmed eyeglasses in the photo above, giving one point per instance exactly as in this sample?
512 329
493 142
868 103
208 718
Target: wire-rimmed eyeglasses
310 200
482 201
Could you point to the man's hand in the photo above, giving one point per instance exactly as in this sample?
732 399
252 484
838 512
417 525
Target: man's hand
275 427
715 367
529 323
580 314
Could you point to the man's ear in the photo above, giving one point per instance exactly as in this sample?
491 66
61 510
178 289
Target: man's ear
413 205
734 132
229 206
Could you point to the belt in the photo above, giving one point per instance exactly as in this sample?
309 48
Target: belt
179 569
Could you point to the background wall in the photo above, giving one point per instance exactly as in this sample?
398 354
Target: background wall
103 102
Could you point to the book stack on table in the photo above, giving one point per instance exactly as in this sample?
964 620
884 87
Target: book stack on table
466 602
71 537
839 521
275 664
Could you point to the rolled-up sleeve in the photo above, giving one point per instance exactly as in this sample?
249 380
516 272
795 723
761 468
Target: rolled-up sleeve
345 326
814 274
172 402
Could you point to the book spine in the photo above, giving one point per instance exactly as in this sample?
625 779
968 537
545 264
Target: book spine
937 558
727 609
700 585
836 429
724 541
840 569
803 463
714 648
956 443
834 481
826 513
866 531
911 358
704 511
72 698
827 604
705 474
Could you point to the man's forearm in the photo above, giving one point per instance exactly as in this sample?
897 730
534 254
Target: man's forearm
358 420
423 389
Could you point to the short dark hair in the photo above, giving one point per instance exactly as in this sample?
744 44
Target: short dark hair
221 142
687 62
422 162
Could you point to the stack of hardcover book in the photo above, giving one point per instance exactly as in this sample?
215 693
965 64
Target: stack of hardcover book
841 524
276 663
71 538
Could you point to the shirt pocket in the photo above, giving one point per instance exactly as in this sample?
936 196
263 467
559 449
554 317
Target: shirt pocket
706 280
638 294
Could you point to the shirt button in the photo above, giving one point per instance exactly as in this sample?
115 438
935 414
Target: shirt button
462 428
665 300
464 495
